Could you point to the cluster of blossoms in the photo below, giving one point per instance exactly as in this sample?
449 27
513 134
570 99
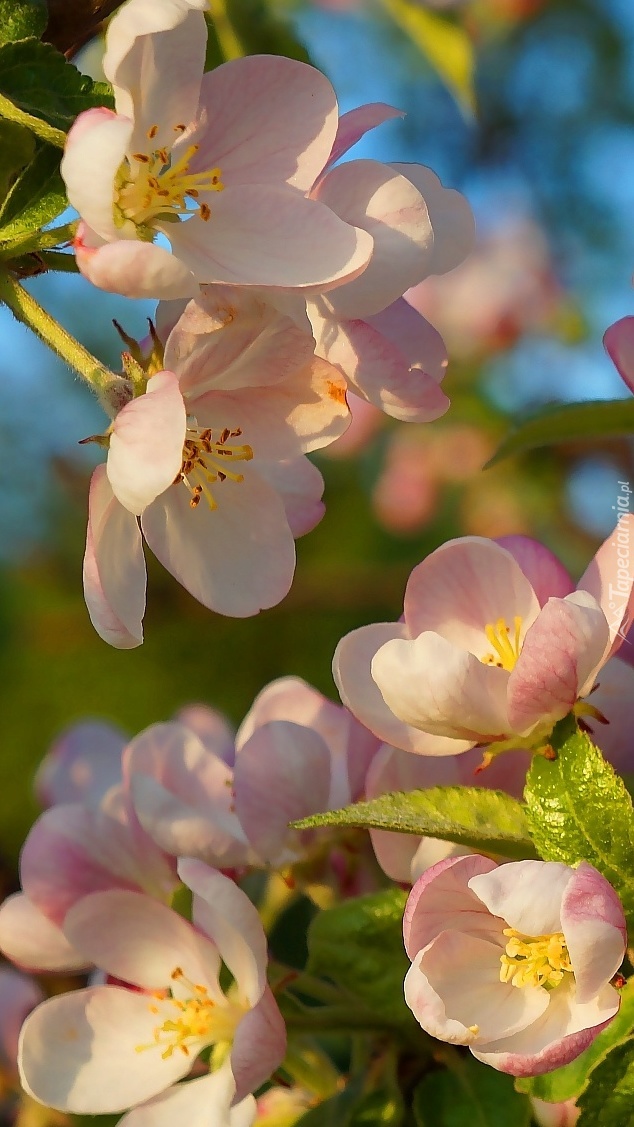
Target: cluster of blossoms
280 275
281 292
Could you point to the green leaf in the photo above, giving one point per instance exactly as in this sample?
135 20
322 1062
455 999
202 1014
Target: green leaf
442 41
36 198
359 945
337 1111
21 19
608 1101
487 820
571 423
568 1082
38 85
578 809
469 1093
17 146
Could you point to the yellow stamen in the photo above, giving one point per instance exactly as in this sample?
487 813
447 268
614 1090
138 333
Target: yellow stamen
538 960
207 461
191 1019
158 189
506 649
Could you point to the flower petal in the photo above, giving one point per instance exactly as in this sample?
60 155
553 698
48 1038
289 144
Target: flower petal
95 148
131 267
560 656
114 567
146 444
618 342
212 728
594 927
29 939
375 198
360 693
282 773
451 218
81 765
546 574
138 940
236 560
527 894
300 486
259 1045
442 900
154 58
462 587
269 119
438 688
79 1052
193 1102
225 913
268 235
609 578
355 123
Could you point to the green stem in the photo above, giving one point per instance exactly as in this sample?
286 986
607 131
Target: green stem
58 260
229 43
41 128
27 310
38 241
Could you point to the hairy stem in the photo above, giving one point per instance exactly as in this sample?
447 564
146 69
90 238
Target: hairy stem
27 310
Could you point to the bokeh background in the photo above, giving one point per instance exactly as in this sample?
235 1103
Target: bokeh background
527 106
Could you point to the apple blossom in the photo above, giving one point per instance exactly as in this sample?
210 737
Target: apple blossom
494 648
217 163
514 960
210 458
108 1048
29 939
81 765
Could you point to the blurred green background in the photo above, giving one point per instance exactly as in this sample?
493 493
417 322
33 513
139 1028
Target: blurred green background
527 106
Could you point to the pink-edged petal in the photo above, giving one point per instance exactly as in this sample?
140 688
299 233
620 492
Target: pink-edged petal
561 653
114 567
138 940
450 214
282 773
18 996
213 730
594 927
373 197
442 900
454 991
29 939
81 765
236 560
614 700
377 367
355 123
609 578
194 1102
462 587
269 119
527 894
432 685
269 235
300 486
563 1031
230 338
420 342
618 341
154 58
95 149
131 267
546 574
225 913
78 1052
564 1113
259 1045
294 700
73 850
146 443
352 664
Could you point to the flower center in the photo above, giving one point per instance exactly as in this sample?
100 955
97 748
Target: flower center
207 460
506 646
193 1020
540 960
152 186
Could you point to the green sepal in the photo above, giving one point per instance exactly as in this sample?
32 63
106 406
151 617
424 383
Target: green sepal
573 422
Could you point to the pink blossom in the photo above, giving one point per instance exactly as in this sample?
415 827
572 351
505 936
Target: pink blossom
514 960
29 939
108 1048
81 765
211 460
494 647
218 164
18 996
